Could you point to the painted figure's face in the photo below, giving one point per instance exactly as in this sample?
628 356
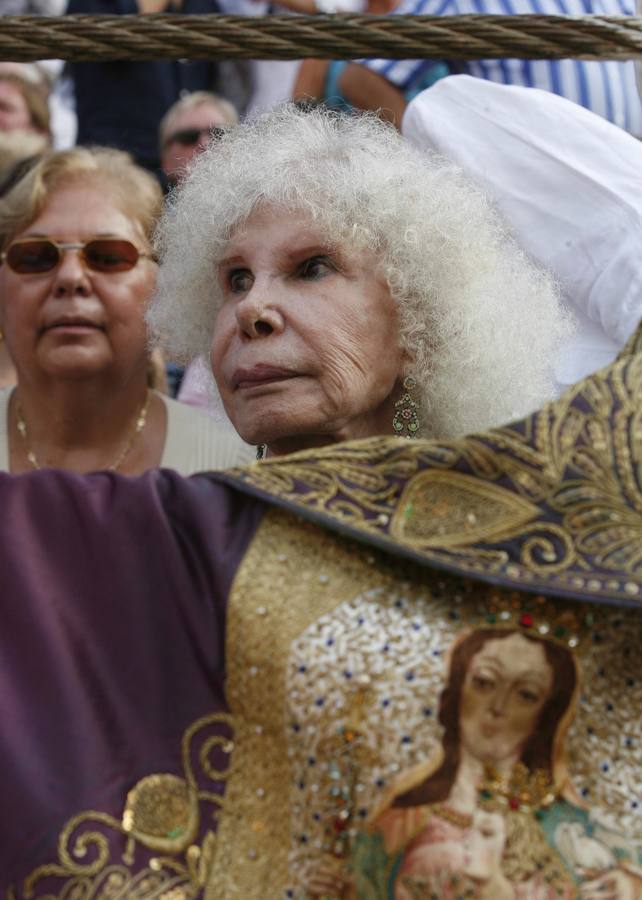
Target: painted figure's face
306 346
484 845
506 686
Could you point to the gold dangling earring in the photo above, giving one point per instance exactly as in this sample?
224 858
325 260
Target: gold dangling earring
260 451
406 418
1 333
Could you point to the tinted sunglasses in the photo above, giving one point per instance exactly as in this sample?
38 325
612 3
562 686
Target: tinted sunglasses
34 256
190 136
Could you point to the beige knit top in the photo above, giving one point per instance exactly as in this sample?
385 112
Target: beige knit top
194 443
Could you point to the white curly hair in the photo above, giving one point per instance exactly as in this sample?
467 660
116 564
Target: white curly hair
480 321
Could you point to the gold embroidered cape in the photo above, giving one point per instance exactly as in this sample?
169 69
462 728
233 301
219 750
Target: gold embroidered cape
432 680
373 633
550 503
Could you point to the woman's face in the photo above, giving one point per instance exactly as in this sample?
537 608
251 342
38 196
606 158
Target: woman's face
305 347
506 686
74 322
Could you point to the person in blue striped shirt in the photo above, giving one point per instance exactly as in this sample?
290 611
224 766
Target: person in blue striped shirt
605 87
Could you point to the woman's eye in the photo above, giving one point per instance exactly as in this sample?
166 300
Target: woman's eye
482 683
528 696
315 267
240 281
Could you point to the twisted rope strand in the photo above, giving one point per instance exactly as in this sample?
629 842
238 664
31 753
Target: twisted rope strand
107 38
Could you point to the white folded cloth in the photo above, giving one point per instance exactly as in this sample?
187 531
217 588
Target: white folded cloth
568 183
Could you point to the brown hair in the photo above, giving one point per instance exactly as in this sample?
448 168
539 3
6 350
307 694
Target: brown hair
135 191
538 749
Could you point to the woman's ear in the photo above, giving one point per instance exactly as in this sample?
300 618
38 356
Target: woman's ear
407 363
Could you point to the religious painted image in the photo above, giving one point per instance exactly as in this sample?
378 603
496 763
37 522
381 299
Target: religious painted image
494 814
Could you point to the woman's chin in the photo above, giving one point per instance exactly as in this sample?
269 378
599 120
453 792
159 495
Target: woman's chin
266 431
281 430
74 365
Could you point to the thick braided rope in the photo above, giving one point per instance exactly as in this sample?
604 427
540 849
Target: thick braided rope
78 38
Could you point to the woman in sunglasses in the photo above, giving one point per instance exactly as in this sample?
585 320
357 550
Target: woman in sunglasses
77 271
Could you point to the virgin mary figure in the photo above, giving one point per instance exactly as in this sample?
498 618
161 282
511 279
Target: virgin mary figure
488 814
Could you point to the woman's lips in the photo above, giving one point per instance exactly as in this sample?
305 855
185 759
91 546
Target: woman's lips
73 325
489 730
259 376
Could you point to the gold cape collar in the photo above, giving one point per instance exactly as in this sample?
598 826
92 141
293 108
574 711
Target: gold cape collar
551 503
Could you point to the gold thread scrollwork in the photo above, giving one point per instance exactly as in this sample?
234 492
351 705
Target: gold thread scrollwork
448 509
553 502
163 813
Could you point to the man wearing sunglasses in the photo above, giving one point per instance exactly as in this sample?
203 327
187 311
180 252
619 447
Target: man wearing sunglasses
187 128
120 104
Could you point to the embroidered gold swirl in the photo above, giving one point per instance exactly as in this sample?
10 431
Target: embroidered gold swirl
163 813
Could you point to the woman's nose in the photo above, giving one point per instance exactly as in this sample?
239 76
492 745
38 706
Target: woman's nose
257 314
71 276
499 701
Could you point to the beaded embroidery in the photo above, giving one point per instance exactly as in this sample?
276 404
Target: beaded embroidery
350 643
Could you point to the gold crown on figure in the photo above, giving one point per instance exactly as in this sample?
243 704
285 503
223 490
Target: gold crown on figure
537 617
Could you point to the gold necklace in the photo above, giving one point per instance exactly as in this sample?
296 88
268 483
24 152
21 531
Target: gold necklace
141 421
462 820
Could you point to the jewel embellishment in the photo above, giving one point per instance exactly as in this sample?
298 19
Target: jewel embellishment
406 418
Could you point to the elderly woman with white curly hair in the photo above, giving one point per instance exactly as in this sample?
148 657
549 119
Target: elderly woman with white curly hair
213 701
347 285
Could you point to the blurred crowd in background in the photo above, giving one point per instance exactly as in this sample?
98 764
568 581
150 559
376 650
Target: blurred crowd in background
164 112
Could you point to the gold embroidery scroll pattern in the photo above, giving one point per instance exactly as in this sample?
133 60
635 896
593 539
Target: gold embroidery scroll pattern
450 509
292 575
602 506
565 457
117 883
381 643
162 813
354 484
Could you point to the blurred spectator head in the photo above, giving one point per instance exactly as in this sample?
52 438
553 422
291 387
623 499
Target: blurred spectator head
19 151
24 96
130 188
187 128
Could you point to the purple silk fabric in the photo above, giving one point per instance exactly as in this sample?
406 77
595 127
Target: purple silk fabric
114 595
